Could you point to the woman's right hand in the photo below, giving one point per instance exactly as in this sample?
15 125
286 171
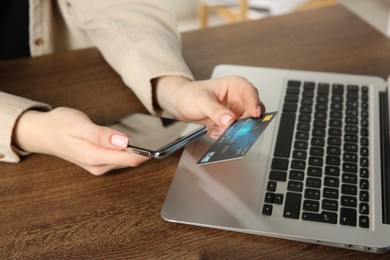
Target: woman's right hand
69 134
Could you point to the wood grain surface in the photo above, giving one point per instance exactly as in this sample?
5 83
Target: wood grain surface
51 209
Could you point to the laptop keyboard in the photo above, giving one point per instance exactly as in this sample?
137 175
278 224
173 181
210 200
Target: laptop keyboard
320 167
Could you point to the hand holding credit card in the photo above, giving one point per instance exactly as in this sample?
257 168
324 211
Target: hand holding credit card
237 139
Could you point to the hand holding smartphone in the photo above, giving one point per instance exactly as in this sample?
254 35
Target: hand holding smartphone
157 137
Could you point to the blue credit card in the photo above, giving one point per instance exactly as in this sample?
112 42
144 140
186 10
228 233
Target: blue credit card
237 139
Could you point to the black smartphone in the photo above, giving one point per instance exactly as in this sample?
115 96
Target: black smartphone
157 137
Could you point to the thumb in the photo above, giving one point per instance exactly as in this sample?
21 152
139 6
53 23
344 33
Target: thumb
109 138
220 115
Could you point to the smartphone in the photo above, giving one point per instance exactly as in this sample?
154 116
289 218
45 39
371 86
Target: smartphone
157 137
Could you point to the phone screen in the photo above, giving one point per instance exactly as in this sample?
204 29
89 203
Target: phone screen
156 135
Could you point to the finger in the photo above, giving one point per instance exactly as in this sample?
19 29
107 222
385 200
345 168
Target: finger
218 113
216 132
98 157
115 157
106 137
249 94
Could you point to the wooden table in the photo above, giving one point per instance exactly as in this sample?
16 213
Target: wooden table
52 209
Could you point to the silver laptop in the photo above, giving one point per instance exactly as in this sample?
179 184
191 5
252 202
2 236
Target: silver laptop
319 173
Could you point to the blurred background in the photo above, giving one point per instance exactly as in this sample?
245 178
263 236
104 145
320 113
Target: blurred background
196 14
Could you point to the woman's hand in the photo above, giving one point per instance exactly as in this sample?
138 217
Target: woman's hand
69 134
215 102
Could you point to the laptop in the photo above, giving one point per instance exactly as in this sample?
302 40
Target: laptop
318 174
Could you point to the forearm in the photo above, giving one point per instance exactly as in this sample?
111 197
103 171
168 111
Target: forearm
11 108
138 39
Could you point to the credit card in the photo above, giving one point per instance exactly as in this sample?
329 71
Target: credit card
237 139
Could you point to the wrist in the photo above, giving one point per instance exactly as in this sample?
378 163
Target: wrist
26 131
165 92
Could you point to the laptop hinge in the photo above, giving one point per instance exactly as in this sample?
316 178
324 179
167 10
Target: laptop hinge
385 152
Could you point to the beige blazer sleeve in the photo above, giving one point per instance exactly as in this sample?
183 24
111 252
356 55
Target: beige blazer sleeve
138 39
11 107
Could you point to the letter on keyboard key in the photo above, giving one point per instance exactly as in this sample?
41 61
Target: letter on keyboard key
292 205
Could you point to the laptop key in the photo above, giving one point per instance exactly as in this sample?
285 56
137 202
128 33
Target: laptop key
331 205
364 208
296 175
352 88
293 90
333 160
331 193
364 161
323 88
348 217
331 182
319 151
299 154
271 186
348 201
267 210
336 114
324 217
364 184
334 131
298 164
278 198
290 107
363 196
315 161
349 147
305 110
350 157
350 167
292 205
364 141
277 176
291 98
312 194
314 171
364 222
349 189
294 83
351 129
279 164
311 205
336 141
349 178
363 172
300 145
269 197
332 171
313 182
295 186
285 134
308 85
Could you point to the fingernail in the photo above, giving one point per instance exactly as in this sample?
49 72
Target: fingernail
216 132
225 119
119 140
258 111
